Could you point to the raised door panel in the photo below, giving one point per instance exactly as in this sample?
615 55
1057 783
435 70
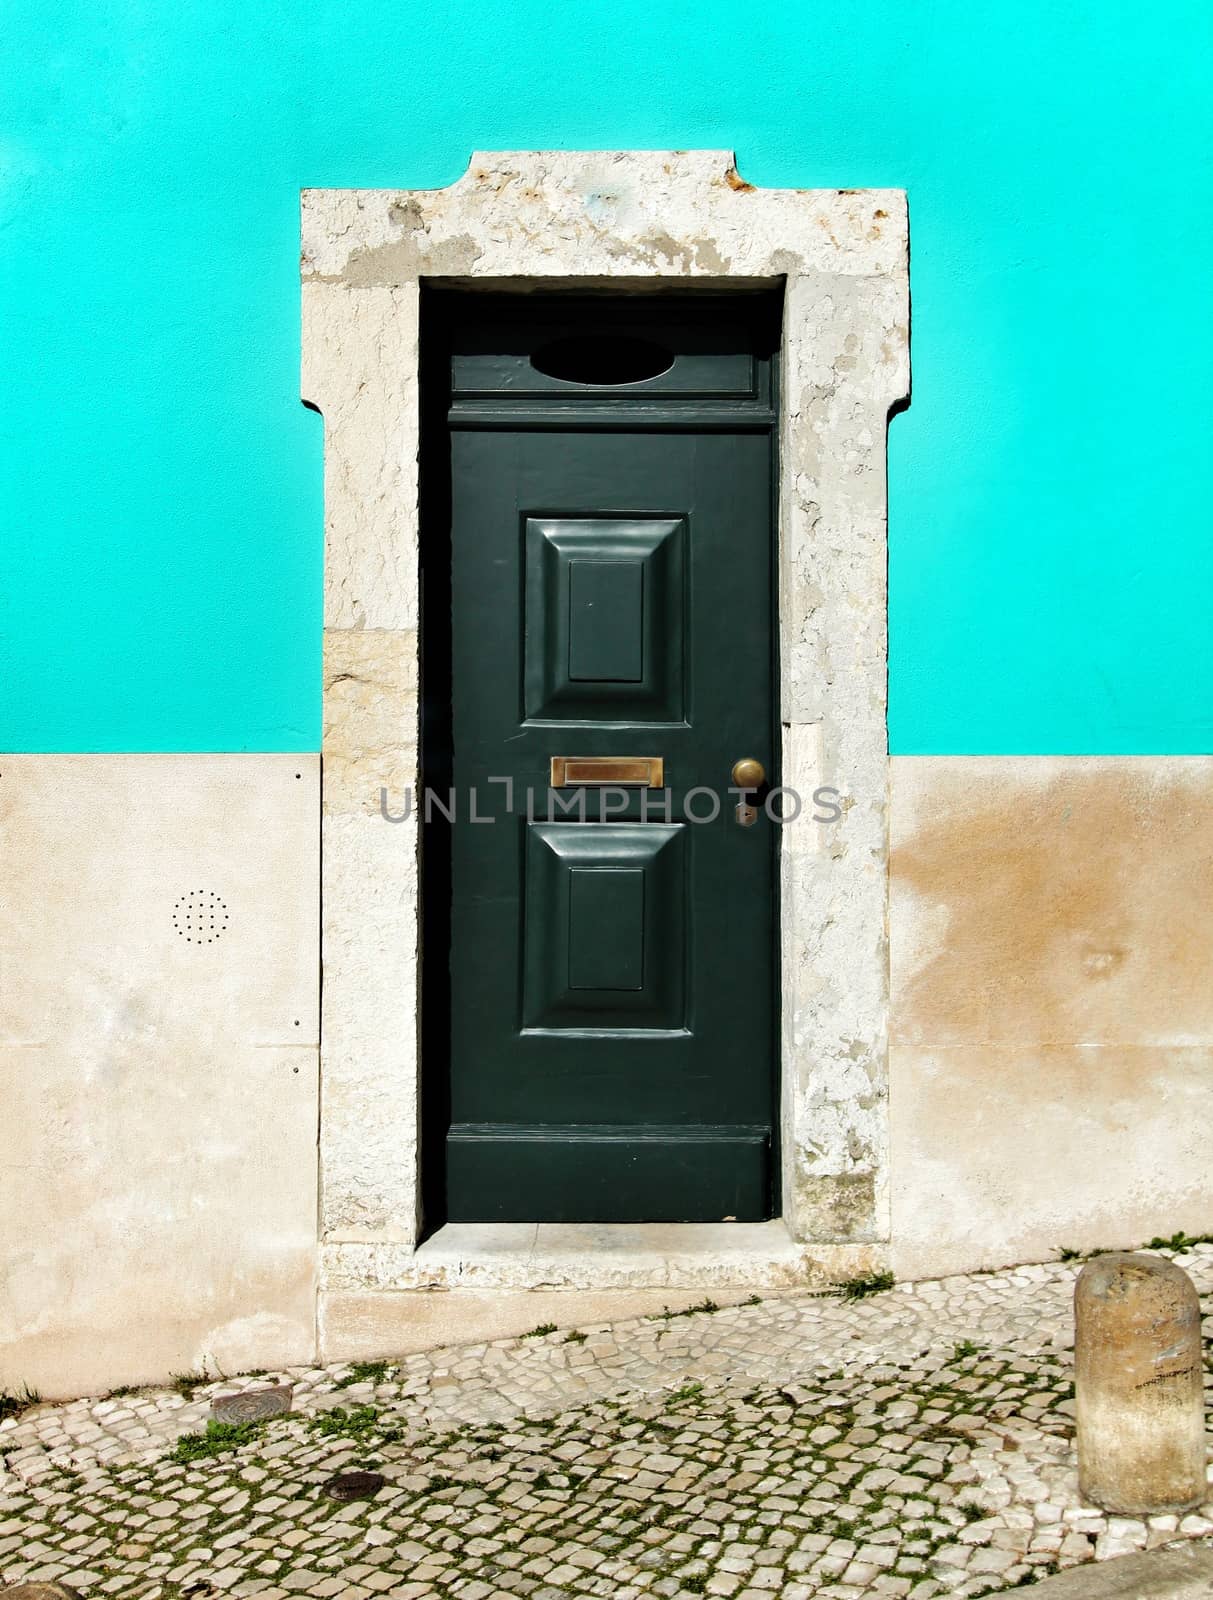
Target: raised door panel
603 619
603 927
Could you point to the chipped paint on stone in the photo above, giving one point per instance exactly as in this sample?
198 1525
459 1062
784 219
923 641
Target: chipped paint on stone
625 218
610 214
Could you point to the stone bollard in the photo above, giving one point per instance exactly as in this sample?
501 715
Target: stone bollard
1138 1385
38 1591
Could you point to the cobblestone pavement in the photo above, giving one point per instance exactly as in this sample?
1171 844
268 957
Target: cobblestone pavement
912 1442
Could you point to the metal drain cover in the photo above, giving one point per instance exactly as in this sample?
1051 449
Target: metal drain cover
252 1405
354 1485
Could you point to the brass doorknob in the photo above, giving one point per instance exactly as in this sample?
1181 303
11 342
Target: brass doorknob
748 773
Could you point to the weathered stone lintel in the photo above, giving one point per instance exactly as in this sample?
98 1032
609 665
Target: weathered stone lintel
606 214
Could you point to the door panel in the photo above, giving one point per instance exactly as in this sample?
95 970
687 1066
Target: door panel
603 927
611 950
608 1174
603 620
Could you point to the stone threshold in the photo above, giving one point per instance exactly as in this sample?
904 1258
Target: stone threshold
595 1255
550 1255
473 1282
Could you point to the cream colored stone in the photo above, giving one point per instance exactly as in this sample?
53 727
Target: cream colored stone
590 1256
370 719
631 218
1183 1572
369 1094
488 1280
370 451
369 1098
38 1591
158 1172
844 367
598 214
1138 1371
485 1281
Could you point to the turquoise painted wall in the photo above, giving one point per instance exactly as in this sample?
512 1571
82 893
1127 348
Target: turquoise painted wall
1050 539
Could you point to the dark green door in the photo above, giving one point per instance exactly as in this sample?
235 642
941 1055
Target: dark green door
611 922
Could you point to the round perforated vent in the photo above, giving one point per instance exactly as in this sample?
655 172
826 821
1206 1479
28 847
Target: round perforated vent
200 916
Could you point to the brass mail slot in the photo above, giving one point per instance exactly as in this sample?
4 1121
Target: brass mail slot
571 772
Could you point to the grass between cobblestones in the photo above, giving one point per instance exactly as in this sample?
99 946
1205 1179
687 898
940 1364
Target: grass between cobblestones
846 1484
12 1405
950 1473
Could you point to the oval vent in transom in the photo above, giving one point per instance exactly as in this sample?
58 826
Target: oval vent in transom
604 361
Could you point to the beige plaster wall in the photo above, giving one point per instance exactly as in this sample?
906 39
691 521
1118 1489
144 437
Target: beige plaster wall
1051 1071
158 1159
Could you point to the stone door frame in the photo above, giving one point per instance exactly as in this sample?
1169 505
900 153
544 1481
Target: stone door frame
620 220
